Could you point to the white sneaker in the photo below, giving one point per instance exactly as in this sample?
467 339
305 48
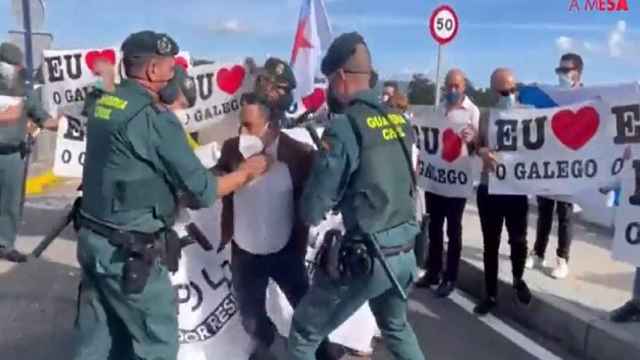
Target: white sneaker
562 270
535 261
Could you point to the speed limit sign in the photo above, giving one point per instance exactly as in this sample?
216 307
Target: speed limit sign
443 24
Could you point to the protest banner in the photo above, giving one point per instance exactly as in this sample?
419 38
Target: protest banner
555 151
69 76
70 147
626 243
444 166
219 88
209 320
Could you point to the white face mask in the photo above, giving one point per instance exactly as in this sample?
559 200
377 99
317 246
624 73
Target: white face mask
250 145
8 73
507 102
564 81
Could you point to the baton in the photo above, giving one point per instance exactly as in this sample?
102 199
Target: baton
28 146
392 277
55 232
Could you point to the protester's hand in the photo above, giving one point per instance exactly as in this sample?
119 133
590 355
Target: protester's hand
468 134
107 72
32 128
256 165
489 160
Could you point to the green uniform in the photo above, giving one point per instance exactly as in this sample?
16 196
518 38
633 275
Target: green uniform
365 175
137 162
12 167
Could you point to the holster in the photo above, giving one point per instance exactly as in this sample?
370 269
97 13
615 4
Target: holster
346 259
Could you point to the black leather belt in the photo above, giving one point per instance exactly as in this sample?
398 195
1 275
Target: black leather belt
390 251
8 149
118 237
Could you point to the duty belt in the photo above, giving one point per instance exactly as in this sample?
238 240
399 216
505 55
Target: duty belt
119 237
390 251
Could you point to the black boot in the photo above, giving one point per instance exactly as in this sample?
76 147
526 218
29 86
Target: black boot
523 294
626 313
486 306
428 280
12 255
445 289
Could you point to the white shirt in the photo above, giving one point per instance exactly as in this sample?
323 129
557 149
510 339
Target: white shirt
263 210
474 112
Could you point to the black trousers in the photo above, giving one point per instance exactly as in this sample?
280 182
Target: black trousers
451 209
496 211
545 222
250 276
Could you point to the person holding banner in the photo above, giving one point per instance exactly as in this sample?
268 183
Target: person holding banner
138 163
268 238
442 207
569 77
496 210
15 119
363 170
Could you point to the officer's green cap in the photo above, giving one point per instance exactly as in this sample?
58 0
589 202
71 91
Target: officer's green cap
348 51
148 43
186 84
10 54
280 72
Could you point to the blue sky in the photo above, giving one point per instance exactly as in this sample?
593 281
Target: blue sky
522 34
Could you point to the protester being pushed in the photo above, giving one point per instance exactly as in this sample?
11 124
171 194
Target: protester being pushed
498 210
364 171
15 122
268 238
460 113
137 164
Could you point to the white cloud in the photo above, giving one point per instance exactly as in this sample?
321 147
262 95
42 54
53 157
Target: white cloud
231 26
564 43
617 43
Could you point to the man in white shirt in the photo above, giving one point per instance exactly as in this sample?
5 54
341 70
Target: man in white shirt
450 208
268 239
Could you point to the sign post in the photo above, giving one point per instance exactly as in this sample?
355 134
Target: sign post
443 26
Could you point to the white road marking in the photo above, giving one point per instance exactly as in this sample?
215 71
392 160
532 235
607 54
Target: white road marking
505 330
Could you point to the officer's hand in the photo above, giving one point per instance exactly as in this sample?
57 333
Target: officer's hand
256 165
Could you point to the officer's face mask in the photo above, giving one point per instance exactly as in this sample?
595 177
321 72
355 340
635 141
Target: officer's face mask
169 94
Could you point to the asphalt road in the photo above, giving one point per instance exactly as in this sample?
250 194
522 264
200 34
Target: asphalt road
37 308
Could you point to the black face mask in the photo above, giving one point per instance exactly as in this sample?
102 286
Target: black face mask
373 80
283 103
169 94
335 106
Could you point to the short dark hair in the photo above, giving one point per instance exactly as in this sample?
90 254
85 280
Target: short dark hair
252 98
391 83
133 65
575 59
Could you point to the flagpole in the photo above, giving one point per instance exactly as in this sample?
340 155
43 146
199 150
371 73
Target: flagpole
437 101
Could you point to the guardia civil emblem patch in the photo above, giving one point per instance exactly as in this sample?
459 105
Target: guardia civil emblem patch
164 46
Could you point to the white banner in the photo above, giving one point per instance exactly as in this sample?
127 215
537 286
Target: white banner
556 151
209 320
444 165
219 88
70 147
69 76
626 244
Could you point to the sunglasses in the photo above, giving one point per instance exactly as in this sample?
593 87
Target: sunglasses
508 91
564 70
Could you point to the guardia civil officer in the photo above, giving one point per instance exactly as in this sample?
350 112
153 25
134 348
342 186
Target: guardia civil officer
137 163
14 122
365 172
275 83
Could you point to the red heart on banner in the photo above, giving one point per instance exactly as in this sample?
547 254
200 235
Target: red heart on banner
315 100
230 81
575 130
451 145
181 61
94 55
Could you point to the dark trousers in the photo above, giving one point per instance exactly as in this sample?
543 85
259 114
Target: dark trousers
451 209
545 222
250 276
496 210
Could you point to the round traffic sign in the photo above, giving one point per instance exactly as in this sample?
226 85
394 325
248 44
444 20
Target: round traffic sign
444 24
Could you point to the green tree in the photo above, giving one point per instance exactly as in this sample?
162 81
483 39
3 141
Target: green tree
421 90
